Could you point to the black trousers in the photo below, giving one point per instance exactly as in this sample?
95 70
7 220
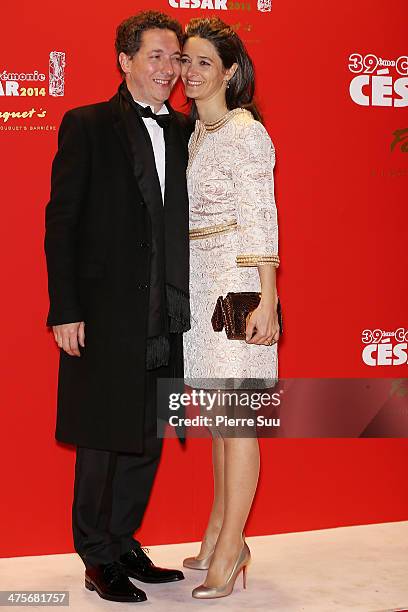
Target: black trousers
112 490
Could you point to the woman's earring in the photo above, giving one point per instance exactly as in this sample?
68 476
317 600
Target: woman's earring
227 82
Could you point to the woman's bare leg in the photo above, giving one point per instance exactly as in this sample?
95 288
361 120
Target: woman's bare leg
241 472
217 512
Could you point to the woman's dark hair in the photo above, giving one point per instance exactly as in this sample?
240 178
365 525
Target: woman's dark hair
129 32
231 49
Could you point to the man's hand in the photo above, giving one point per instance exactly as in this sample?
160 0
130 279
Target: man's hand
68 335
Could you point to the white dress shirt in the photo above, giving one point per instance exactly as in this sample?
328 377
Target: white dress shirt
157 137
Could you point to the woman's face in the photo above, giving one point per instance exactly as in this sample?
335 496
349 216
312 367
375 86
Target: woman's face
202 71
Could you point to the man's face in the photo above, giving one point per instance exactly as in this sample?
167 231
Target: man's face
153 71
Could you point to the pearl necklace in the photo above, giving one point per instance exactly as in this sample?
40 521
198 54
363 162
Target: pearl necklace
202 128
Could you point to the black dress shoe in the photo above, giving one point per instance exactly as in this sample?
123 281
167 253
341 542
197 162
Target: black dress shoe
137 564
110 582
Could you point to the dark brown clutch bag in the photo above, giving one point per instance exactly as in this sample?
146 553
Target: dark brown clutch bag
233 311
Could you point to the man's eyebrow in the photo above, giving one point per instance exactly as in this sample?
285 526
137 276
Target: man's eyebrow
161 51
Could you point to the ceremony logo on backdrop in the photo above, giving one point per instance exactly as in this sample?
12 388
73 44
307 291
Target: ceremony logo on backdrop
385 347
34 87
379 81
221 5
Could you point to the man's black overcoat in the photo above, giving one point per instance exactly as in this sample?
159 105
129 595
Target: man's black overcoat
98 243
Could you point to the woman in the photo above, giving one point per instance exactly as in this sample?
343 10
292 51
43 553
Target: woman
234 247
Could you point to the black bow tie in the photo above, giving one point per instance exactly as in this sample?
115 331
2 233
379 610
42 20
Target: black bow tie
162 120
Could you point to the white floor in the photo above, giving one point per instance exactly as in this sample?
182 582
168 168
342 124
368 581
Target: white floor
362 568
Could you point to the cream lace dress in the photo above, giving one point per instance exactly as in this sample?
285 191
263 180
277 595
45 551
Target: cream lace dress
233 228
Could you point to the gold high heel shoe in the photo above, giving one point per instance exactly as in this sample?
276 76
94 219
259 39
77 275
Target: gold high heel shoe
199 564
206 592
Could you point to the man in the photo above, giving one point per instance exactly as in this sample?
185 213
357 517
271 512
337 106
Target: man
117 255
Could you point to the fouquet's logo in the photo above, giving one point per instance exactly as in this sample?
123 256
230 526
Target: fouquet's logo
384 348
378 81
34 83
400 138
399 387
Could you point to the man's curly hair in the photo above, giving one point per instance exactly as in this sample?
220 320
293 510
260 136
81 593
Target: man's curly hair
129 32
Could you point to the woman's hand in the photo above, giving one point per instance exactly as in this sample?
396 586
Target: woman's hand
262 325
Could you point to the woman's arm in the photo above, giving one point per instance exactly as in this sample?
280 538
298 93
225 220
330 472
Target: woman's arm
263 326
258 226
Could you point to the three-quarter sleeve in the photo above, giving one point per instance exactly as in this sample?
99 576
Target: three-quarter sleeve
254 188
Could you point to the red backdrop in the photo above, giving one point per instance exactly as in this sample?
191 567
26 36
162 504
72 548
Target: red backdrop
341 194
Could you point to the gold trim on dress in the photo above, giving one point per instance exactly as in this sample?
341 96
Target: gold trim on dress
216 125
202 128
203 232
257 260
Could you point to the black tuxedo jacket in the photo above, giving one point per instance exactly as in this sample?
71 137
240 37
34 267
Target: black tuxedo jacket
98 244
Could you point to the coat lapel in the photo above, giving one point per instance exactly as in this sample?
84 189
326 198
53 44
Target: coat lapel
119 127
176 206
176 162
138 150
